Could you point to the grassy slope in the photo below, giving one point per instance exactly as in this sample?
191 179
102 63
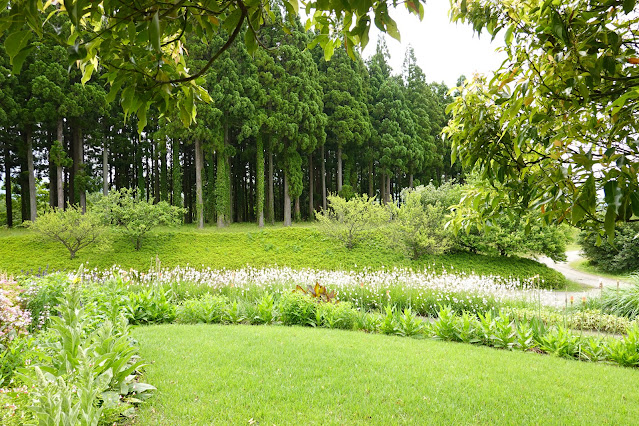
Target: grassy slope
241 245
281 375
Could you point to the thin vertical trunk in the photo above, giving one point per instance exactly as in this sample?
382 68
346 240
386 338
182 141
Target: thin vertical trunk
156 172
389 194
188 185
59 169
370 178
339 168
176 174
298 213
31 176
311 187
410 181
259 181
105 166
198 183
53 197
287 203
77 191
383 188
83 192
7 183
271 192
164 174
73 171
220 188
323 173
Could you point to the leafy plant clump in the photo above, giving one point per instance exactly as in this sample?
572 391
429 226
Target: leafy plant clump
132 215
622 256
351 220
420 229
71 228
87 372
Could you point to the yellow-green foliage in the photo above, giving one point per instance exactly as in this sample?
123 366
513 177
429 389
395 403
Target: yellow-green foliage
242 245
586 319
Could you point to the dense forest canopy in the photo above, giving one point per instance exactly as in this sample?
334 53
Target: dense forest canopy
282 129
554 131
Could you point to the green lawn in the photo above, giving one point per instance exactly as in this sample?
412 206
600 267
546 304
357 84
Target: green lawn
301 246
287 375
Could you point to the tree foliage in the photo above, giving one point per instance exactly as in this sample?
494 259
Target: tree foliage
419 229
350 221
70 227
134 216
623 256
556 126
141 46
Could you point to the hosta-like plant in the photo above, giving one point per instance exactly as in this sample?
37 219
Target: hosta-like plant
149 307
593 349
444 327
560 342
466 328
525 338
503 334
389 321
409 325
625 352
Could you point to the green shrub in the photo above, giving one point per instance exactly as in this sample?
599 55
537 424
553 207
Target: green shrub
70 227
42 296
623 256
336 315
419 229
349 221
297 309
208 309
150 306
134 216
511 234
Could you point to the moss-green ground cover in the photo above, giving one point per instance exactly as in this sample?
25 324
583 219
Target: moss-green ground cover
280 375
242 245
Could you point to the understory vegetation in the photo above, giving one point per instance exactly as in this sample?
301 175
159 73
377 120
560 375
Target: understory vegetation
67 350
241 245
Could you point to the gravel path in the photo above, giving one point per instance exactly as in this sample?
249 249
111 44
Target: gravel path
560 298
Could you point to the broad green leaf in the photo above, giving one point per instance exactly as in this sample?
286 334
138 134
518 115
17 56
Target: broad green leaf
391 28
232 20
634 200
154 32
295 5
115 88
86 73
628 5
19 59
250 41
17 41
142 118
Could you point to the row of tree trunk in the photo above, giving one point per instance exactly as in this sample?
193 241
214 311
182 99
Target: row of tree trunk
254 186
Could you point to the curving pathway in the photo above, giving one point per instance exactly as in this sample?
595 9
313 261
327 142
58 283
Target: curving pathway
560 298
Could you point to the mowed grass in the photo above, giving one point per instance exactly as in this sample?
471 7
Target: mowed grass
301 246
291 376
